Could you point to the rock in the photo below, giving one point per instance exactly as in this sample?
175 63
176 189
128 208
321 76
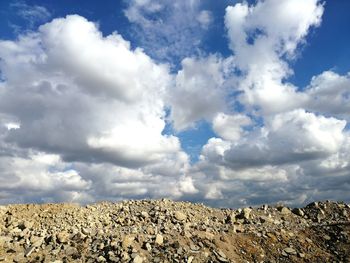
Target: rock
159 239
144 214
72 251
290 251
137 231
86 231
298 212
101 259
138 259
321 216
180 216
28 251
246 213
193 247
209 236
221 257
238 228
19 258
190 259
127 241
266 219
231 218
36 241
148 247
63 237
285 210
28 224
114 244
265 207
326 237
284 253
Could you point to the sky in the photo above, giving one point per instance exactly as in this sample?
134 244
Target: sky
230 103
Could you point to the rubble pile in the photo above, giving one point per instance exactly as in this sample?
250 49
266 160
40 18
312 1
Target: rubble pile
167 231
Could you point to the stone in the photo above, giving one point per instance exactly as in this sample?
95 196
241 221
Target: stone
298 212
19 258
326 237
231 218
285 210
71 251
159 239
36 241
265 207
194 247
190 259
148 247
86 231
29 251
220 255
101 259
138 259
290 251
321 216
28 224
127 241
144 214
246 213
180 216
63 237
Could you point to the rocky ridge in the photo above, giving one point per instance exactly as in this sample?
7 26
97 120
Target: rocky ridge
167 231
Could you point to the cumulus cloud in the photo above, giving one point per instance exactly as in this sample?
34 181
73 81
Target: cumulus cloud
169 30
85 98
261 37
230 127
39 177
294 146
198 77
86 119
286 151
330 85
288 137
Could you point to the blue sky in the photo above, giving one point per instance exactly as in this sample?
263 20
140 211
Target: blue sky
179 99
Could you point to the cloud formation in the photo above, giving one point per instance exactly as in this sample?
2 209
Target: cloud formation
88 99
295 142
85 117
169 30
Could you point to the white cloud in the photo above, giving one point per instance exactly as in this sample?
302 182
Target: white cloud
205 18
288 138
199 91
87 97
31 13
230 127
261 36
12 126
40 177
291 153
330 85
94 103
86 120
168 30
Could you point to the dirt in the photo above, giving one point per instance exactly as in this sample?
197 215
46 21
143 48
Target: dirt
167 231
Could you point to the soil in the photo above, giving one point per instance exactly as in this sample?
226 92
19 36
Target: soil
167 231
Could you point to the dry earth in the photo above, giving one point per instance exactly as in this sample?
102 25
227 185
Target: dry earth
167 231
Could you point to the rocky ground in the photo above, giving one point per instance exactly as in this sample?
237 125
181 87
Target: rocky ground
167 231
